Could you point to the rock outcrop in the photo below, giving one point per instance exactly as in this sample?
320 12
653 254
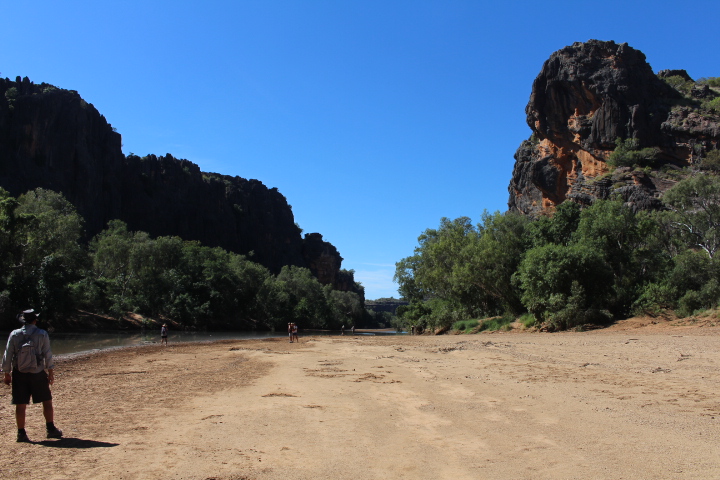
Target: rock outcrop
323 258
51 138
586 97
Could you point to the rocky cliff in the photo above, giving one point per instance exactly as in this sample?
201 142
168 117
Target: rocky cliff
52 138
586 98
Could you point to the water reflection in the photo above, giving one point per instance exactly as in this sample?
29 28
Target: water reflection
65 343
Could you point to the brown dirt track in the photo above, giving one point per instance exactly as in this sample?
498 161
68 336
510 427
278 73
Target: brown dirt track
620 403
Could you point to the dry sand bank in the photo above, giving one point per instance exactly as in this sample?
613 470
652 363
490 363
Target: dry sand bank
613 404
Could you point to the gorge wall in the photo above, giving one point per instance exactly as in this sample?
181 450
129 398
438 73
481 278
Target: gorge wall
586 96
51 138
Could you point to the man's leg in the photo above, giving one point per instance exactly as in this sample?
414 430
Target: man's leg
48 411
20 410
20 415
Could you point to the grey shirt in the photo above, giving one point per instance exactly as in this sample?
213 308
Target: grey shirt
40 339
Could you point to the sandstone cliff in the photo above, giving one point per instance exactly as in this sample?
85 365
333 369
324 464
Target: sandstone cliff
52 138
586 97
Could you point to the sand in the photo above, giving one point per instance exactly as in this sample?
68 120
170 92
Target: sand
621 403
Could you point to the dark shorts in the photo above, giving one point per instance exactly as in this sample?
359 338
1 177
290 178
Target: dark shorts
25 385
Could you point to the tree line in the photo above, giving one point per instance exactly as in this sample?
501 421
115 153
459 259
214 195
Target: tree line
45 264
579 266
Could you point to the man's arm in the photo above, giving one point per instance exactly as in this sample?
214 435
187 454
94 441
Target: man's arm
8 355
48 358
7 360
47 353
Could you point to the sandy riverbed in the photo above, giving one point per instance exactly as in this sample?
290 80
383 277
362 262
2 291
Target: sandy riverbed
614 404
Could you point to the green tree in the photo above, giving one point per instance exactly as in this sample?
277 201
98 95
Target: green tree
461 271
555 277
690 284
116 265
47 254
558 229
488 263
294 295
347 307
630 243
694 212
9 249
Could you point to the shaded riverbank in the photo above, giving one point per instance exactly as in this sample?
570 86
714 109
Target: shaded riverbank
84 342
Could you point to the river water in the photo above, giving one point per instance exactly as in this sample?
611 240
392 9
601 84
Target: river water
66 343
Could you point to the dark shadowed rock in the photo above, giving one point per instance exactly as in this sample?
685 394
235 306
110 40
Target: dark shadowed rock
52 138
323 258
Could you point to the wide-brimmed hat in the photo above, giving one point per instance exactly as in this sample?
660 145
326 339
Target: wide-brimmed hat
28 315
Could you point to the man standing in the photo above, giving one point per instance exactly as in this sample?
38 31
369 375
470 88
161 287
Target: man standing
34 382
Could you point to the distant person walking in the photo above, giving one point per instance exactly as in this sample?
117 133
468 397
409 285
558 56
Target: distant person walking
352 329
27 356
163 334
290 332
342 329
295 333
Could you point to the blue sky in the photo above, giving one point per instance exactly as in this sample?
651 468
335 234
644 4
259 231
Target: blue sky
374 118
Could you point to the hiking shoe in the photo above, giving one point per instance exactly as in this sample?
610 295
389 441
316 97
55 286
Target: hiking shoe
54 433
22 437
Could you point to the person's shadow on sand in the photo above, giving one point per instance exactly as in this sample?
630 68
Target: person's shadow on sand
69 442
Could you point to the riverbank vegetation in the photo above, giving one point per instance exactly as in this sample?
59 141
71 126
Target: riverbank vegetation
44 264
580 266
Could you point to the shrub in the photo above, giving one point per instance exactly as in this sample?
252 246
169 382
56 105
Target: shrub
465 325
680 84
399 325
497 323
712 81
574 311
628 154
712 105
527 320
711 162
654 298
694 301
11 94
689 303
